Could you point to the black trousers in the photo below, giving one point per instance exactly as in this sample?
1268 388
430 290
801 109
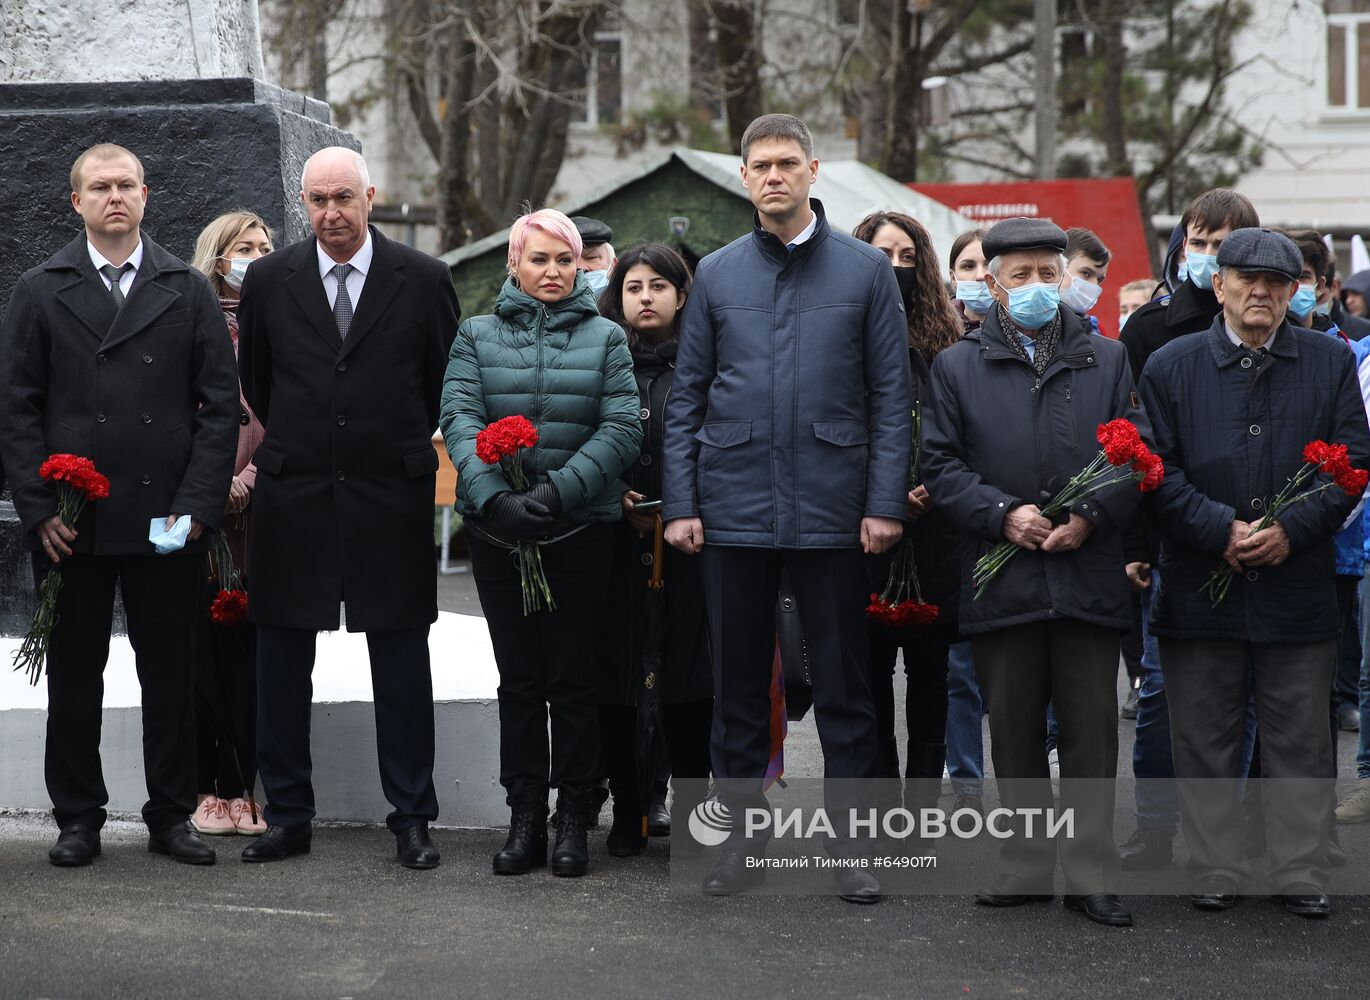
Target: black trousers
686 726
402 686
1074 666
741 586
925 697
1208 686
546 660
161 600
225 703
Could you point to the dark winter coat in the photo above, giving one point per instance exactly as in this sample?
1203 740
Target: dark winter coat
1232 431
567 370
1189 309
790 419
1355 327
149 394
936 538
997 436
686 672
346 475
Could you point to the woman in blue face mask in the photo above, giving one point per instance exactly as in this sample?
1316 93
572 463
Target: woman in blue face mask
226 657
972 299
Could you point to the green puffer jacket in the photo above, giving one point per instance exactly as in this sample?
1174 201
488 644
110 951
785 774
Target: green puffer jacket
566 369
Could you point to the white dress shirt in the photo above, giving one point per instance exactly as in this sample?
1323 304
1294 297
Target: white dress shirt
1232 336
125 279
356 278
804 236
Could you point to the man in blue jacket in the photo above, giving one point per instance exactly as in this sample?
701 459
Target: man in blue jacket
787 447
1233 408
1015 408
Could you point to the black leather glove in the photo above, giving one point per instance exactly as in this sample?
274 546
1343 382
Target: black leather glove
547 495
518 516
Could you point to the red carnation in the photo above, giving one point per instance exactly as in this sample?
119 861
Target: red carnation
504 437
229 607
1152 468
1120 441
1353 481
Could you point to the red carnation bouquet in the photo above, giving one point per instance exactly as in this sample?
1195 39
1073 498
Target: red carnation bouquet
77 482
1319 457
229 606
500 443
901 603
1122 456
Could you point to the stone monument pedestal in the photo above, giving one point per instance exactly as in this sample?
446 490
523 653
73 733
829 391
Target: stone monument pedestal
207 145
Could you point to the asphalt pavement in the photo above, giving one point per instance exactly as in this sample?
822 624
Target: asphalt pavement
347 921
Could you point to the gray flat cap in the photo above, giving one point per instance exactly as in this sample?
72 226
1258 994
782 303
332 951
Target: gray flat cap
1253 250
1023 234
592 231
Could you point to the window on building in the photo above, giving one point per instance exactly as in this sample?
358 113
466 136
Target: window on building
1348 55
604 82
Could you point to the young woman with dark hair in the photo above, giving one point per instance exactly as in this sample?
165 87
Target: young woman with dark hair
968 268
934 325
646 292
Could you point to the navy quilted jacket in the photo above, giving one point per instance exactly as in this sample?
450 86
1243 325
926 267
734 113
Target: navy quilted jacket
1232 431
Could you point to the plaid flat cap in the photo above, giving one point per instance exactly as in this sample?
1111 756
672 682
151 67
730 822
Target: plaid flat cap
1023 234
1252 250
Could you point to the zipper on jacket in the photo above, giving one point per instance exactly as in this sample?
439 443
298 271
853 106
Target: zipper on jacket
537 394
1070 411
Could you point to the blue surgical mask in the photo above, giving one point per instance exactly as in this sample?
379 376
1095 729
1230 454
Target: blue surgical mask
1202 267
1033 306
975 296
1323 308
597 280
237 271
1080 296
1302 302
1181 271
1122 319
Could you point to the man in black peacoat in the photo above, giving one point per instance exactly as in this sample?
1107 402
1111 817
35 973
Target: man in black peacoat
135 372
345 483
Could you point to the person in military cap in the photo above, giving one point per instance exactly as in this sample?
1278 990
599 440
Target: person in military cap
1232 408
1014 408
597 257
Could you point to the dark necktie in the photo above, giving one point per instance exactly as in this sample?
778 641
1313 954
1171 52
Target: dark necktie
342 305
112 275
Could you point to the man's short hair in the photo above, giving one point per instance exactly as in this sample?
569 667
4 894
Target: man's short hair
1314 250
102 151
778 127
1083 241
1147 285
1217 209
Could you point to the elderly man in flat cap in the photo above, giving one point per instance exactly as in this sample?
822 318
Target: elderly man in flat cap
1233 408
1014 410
597 257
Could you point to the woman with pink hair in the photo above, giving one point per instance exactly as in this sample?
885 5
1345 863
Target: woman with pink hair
547 355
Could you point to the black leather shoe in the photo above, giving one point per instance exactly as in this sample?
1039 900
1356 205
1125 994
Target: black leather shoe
1129 709
1214 892
182 842
414 848
732 875
658 819
975 803
1101 907
1305 900
77 845
571 852
526 846
857 885
1010 890
279 843
1148 848
1348 718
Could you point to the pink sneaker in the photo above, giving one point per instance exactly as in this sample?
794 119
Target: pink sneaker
211 817
240 812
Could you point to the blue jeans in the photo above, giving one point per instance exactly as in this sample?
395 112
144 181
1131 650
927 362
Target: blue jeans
965 722
1363 748
1158 804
